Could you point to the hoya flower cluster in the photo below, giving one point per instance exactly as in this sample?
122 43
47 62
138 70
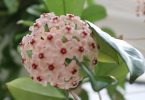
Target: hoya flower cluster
48 51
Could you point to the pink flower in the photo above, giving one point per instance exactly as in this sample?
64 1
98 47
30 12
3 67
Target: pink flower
48 51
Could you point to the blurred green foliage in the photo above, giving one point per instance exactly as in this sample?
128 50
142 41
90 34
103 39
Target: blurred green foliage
10 35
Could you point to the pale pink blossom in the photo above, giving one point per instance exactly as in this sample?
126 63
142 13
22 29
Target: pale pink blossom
53 41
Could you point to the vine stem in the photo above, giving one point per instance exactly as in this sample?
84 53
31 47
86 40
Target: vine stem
67 94
100 97
74 95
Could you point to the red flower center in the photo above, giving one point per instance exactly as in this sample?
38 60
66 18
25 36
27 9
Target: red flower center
51 67
81 49
74 71
32 41
63 51
49 37
34 66
39 78
68 29
41 55
93 45
84 33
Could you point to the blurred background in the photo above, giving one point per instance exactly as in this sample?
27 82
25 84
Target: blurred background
123 17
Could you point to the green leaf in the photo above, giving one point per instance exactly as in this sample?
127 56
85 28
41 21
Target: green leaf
83 95
109 31
12 5
102 57
25 22
94 13
25 88
97 82
74 6
116 93
55 6
131 57
62 7
36 10
111 69
90 2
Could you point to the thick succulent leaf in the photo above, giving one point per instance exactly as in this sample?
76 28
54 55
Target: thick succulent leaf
74 6
55 6
12 5
105 58
97 82
109 31
118 70
62 7
132 58
111 69
116 93
94 13
25 88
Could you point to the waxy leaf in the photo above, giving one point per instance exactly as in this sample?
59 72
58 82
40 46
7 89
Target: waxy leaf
74 6
102 57
26 89
118 70
97 82
131 57
116 93
94 13
62 7
109 31
55 6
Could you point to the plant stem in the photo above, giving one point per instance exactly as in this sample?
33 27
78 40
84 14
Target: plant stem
100 98
67 94
74 95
